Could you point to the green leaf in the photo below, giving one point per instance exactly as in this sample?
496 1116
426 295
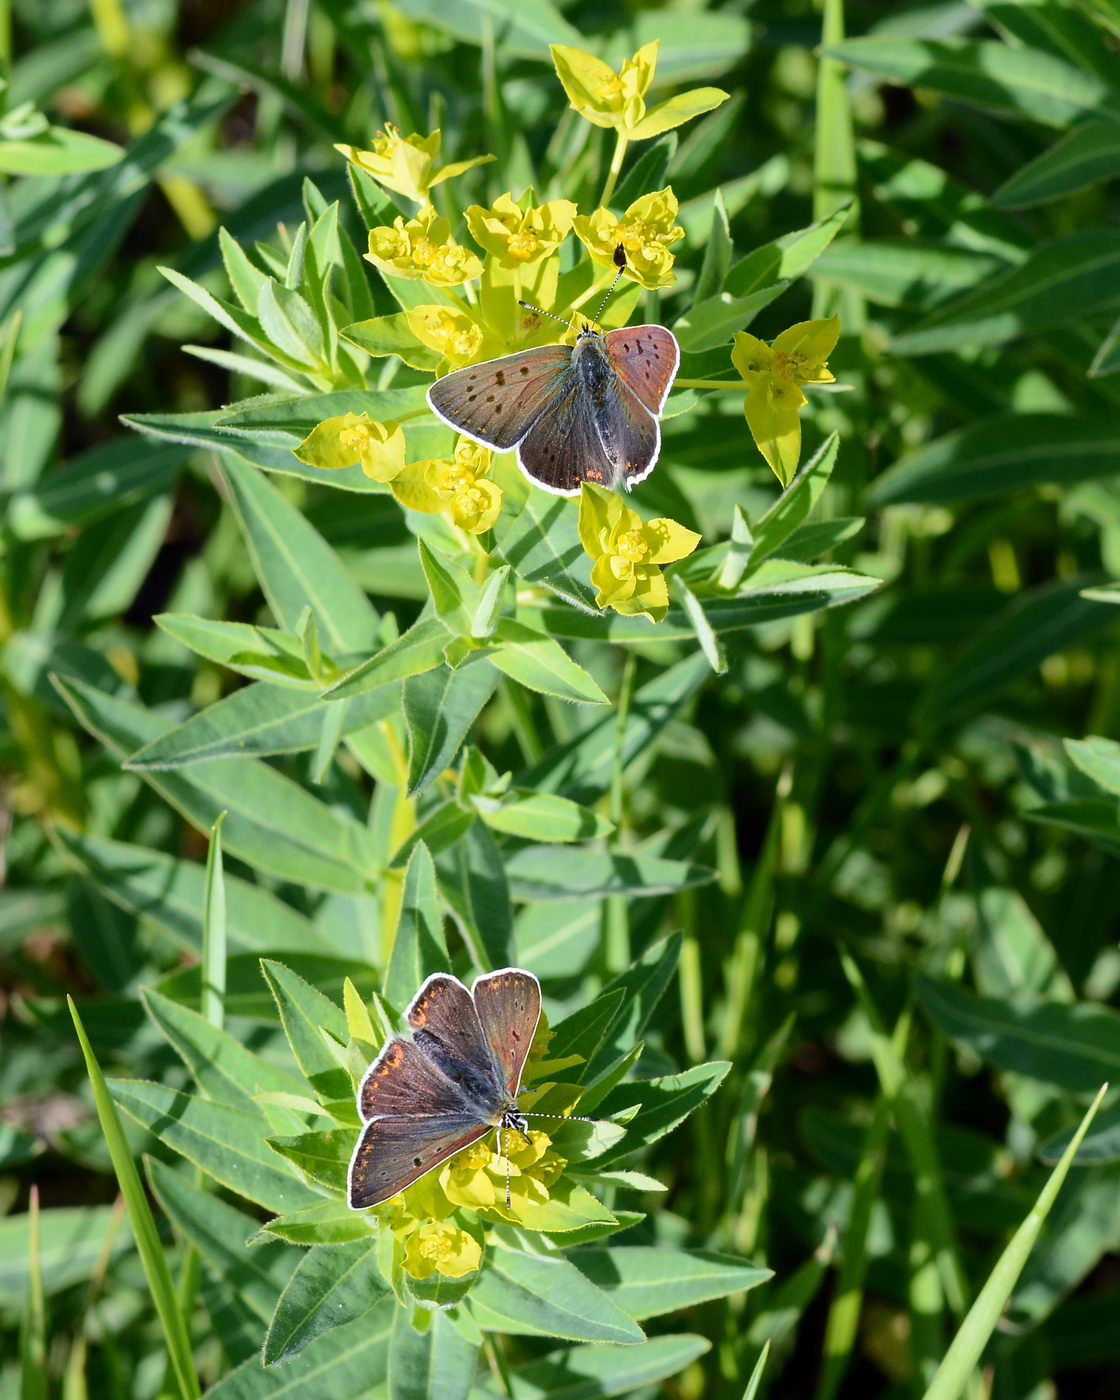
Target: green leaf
168 893
646 1280
219 1231
336 1366
1075 1046
999 455
222 1067
440 707
534 872
472 879
536 661
984 1316
419 948
541 544
905 272
176 1331
322 1156
1059 283
58 151
307 1017
540 816
390 335
94 483
437 1363
418 650
641 986
794 504
327 1222
332 1285
454 593
717 254
662 1103
784 588
71 1241
273 823
1021 82
595 1372
226 1142
529 1294
1084 156
295 565
1045 620
258 719
1098 759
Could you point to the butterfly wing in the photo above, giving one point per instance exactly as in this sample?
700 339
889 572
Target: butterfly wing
646 359
394 1152
496 403
563 447
447 1031
509 1007
404 1080
630 435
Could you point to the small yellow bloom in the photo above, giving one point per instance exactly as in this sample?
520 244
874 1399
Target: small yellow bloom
458 486
447 330
773 373
406 164
627 554
518 233
355 437
422 250
439 1247
607 98
646 231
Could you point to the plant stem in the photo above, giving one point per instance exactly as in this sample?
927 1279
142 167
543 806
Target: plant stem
621 142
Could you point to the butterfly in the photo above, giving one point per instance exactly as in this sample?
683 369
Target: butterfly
575 413
424 1099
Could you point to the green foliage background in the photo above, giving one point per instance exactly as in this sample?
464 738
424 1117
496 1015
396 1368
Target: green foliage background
859 889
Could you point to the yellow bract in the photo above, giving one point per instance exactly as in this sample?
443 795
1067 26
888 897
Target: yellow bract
646 232
440 1247
626 553
607 98
422 250
406 164
773 373
458 486
518 233
448 330
355 437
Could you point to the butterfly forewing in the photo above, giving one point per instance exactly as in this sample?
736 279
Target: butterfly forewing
509 1007
404 1080
446 1029
646 360
394 1152
496 403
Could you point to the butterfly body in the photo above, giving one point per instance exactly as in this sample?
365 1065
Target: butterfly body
575 413
426 1098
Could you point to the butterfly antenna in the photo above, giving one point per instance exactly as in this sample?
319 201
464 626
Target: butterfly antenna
620 263
528 305
509 1195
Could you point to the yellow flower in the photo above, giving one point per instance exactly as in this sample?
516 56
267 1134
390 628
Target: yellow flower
447 330
440 1247
646 232
355 437
773 373
406 163
627 554
422 250
518 233
607 98
458 486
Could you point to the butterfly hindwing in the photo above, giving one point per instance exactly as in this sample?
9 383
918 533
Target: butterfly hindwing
563 447
509 1007
394 1152
497 403
646 360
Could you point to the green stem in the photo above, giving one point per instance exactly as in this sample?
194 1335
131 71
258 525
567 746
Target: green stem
617 913
710 384
621 142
